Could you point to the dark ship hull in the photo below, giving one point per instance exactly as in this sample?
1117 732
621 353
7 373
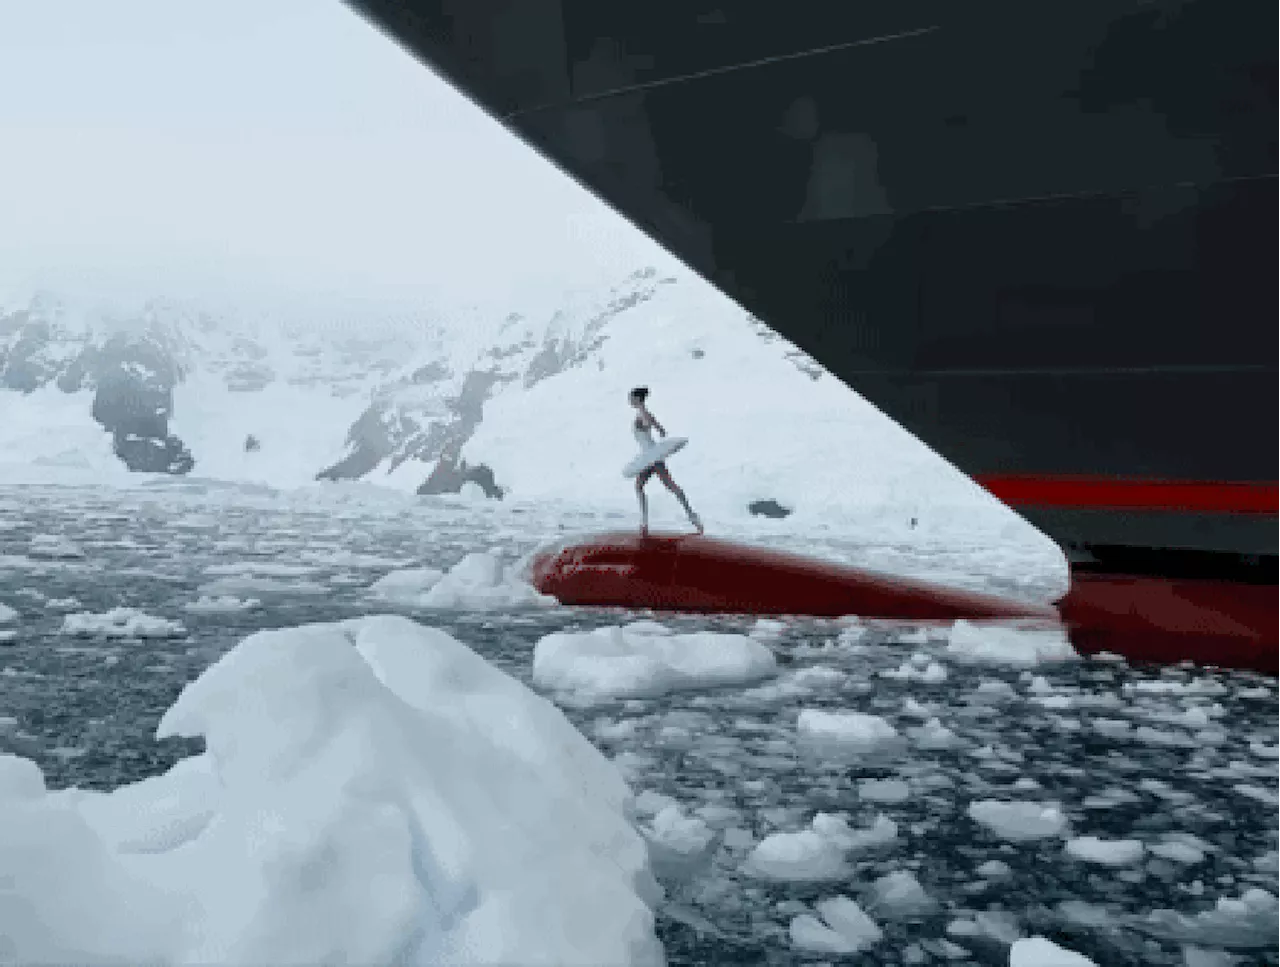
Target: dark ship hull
1042 237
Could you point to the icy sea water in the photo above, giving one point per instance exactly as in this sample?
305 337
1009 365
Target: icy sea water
1176 756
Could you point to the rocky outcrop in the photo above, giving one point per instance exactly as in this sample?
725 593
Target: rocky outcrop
451 473
430 414
768 508
131 373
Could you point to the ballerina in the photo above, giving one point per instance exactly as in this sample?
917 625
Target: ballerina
651 459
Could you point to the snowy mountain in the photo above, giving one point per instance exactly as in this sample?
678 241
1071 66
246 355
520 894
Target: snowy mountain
530 404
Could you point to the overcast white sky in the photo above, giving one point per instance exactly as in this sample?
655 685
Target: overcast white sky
176 145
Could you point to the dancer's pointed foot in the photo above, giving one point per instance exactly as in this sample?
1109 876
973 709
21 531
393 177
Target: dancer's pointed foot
644 530
697 523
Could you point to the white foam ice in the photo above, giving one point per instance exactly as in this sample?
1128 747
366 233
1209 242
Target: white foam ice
645 659
372 791
7 613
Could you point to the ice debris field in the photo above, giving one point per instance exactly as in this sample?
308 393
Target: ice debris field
368 750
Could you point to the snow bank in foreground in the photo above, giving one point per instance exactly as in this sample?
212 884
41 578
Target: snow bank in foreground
478 582
645 659
372 792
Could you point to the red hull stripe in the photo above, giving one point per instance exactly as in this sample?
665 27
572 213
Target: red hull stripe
1133 494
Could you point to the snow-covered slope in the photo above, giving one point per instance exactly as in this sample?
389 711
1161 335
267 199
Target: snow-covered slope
529 404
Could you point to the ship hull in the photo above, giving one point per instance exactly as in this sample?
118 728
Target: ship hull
1042 237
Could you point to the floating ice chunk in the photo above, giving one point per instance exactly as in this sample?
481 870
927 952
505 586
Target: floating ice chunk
408 586
1199 957
680 846
883 790
7 613
226 604
796 857
882 832
994 924
909 671
1249 922
479 581
995 691
1257 793
120 623
62 604
817 853
1264 751
1258 692
650 803
1177 851
400 800
913 709
846 931
54 547
993 868
679 833
846 918
617 662
1009 643
1019 821
1041 952
850 732
899 895
767 629
809 933
1268 862
932 736
1106 852
818 676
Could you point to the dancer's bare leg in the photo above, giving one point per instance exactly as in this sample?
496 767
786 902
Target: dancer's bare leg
642 479
665 476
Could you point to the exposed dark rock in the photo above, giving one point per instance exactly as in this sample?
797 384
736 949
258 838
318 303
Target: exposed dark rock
132 375
135 376
768 508
252 444
451 473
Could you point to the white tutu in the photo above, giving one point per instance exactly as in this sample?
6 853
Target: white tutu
653 453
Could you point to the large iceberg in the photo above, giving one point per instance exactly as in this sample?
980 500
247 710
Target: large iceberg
372 791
